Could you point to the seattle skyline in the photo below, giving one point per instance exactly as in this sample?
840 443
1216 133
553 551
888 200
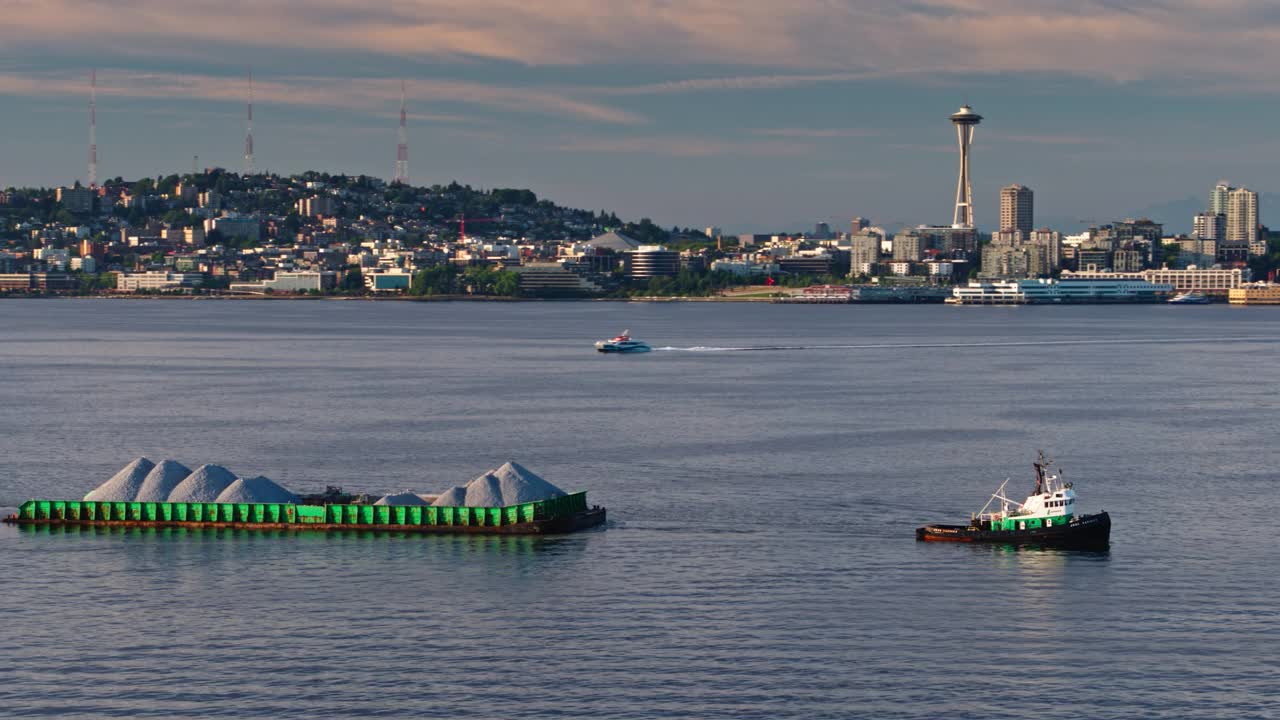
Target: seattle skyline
688 128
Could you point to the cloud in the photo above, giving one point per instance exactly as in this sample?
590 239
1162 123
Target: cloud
360 94
684 147
815 40
816 133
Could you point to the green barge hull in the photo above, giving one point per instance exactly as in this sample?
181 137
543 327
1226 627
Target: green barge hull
555 515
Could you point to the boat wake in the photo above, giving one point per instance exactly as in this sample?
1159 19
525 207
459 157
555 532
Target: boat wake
988 344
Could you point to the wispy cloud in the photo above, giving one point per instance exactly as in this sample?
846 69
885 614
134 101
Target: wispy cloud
360 94
816 133
684 147
802 41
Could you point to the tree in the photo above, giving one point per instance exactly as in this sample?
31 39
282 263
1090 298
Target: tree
353 281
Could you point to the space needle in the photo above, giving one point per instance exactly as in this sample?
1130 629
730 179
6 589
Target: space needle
964 120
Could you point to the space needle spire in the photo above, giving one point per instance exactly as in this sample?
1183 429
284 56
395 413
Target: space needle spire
402 149
965 121
248 136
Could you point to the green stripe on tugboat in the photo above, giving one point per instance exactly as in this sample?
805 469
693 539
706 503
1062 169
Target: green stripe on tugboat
1047 517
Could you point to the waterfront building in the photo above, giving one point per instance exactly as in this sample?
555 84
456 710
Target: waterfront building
157 280
1016 208
43 281
1257 294
389 280
291 282
554 279
650 261
1242 222
1049 291
1208 281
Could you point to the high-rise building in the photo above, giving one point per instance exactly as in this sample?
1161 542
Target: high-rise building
1218 198
965 121
858 224
864 251
1209 226
1242 217
821 231
907 245
1016 208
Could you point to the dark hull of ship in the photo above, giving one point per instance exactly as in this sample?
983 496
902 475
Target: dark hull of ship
1085 532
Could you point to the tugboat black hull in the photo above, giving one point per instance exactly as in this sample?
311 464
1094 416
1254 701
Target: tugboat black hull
1084 532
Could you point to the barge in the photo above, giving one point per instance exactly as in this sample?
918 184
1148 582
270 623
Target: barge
1046 518
556 515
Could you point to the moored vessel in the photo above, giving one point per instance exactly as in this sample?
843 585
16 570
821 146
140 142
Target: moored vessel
623 343
1047 518
1190 298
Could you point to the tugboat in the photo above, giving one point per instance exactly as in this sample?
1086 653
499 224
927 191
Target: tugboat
1047 518
622 344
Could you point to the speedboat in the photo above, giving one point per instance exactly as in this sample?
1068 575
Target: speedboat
622 344
1189 298
1047 518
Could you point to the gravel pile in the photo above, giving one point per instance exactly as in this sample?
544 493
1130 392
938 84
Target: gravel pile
161 481
520 485
453 497
404 498
203 485
124 485
484 491
511 484
255 490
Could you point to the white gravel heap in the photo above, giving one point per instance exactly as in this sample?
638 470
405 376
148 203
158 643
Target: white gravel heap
161 481
521 485
511 484
484 491
124 485
404 498
453 497
203 485
255 490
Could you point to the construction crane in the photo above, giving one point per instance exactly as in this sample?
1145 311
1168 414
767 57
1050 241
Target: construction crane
462 224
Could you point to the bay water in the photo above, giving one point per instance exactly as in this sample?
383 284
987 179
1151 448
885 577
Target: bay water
764 470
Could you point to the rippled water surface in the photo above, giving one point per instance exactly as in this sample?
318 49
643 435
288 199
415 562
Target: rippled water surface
764 470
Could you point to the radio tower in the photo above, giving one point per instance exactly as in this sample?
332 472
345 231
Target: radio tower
93 128
402 149
248 136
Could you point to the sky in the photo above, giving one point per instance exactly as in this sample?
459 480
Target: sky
751 115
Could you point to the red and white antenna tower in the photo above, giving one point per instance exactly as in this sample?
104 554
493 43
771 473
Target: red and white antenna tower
402 149
248 136
93 128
